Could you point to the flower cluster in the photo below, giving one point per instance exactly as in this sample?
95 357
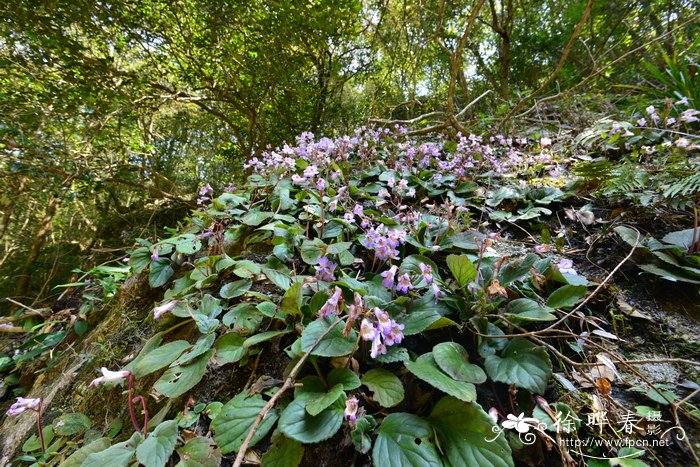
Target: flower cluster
384 242
325 269
205 194
22 404
384 332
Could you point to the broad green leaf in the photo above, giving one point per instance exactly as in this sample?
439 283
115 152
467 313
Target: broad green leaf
246 269
418 321
229 348
262 337
361 433
427 369
284 452
160 272
235 289
160 358
344 376
523 364
70 424
529 310
119 455
296 423
333 345
404 439
78 457
462 269
393 354
464 433
312 250
199 452
630 236
567 295
140 258
453 359
180 379
147 348
386 387
255 218
321 403
292 299
203 344
337 248
279 278
516 269
235 418
159 446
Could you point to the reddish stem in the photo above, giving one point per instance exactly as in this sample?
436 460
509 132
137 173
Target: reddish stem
132 414
38 425
144 408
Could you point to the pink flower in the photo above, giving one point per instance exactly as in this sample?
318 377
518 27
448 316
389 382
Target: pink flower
377 347
166 307
110 377
388 276
565 266
23 404
426 272
437 292
404 284
331 305
367 330
154 255
350 413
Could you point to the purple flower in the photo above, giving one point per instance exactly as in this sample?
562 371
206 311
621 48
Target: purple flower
320 184
565 266
358 210
166 307
310 171
349 217
426 272
206 190
437 292
154 254
367 330
230 188
325 269
377 347
356 309
404 284
388 276
350 413
331 305
297 180
23 404
110 377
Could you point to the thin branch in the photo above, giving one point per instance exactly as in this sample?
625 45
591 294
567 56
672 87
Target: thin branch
289 383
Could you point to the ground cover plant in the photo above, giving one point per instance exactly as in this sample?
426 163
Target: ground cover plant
398 300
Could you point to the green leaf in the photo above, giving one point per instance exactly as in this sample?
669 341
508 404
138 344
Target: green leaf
386 387
180 379
529 310
235 289
140 259
160 272
291 301
345 377
393 354
203 344
319 404
70 424
312 250
361 434
284 452
427 369
229 348
246 269
453 359
199 452
462 269
404 439
565 296
160 358
78 457
118 455
411 265
516 269
279 278
262 337
159 446
464 433
333 345
296 423
255 218
338 248
235 418
523 364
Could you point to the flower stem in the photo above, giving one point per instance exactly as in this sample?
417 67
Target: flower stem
38 425
132 414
